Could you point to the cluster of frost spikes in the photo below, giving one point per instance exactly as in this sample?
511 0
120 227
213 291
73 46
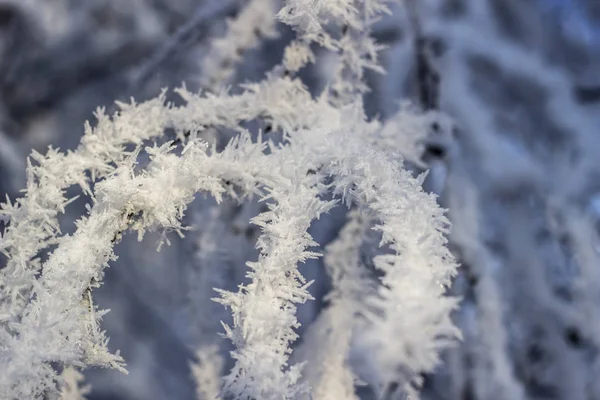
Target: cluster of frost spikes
329 148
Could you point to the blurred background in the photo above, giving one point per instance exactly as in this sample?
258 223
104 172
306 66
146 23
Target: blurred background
519 171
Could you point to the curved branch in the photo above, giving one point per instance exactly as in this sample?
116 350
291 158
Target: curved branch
56 325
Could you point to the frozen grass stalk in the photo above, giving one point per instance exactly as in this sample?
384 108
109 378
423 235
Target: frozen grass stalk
330 153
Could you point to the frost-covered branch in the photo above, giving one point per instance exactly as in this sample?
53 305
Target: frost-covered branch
207 373
328 149
255 22
329 337
71 385
81 258
294 192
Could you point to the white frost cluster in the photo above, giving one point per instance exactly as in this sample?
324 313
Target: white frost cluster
329 148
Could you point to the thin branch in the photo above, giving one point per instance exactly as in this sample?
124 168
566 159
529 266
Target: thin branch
428 78
182 38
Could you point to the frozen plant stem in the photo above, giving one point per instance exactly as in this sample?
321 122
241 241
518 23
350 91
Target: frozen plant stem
329 149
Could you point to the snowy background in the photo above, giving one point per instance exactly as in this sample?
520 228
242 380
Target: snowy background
519 171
